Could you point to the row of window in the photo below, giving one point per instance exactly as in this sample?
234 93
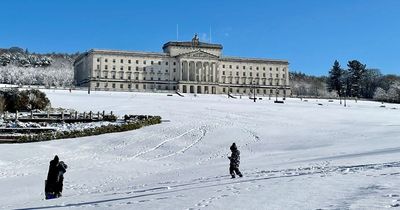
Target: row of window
137 61
130 68
250 82
129 77
251 67
244 91
137 86
251 74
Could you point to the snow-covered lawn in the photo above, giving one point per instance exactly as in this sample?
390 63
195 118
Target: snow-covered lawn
297 155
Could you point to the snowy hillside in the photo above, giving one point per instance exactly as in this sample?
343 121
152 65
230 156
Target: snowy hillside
297 155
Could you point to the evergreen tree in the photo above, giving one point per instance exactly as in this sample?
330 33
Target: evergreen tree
335 80
356 71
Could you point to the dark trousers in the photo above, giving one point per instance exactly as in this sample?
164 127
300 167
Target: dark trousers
233 170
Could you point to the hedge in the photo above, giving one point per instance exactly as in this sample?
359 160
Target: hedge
151 120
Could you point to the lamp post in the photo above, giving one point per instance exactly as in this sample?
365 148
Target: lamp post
254 90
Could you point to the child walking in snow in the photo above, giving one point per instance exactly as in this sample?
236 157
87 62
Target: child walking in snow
234 161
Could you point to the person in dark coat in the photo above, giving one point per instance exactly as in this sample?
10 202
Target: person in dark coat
55 178
234 161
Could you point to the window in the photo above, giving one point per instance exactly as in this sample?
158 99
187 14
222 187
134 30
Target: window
137 78
277 68
244 67
144 62
121 86
237 67
106 60
97 84
166 70
137 68
277 75
174 65
223 72
144 78
264 68
174 78
159 79
159 62
223 66
257 74
237 73
152 62
137 61
283 75
113 85
122 68
257 68
270 74
223 90
270 68
129 86
144 86
137 86
251 74
230 66
144 68
129 68
113 67
151 78
129 61
98 67
263 74
113 60
98 59
166 63
174 70
122 60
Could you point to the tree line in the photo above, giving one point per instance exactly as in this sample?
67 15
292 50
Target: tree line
358 81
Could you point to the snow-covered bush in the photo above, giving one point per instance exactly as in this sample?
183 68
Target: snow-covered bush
25 100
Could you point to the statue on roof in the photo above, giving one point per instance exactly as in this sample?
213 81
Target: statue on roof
195 40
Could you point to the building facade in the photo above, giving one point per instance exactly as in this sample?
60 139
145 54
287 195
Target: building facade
188 67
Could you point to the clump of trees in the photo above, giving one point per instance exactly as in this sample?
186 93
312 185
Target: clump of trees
20 67
14 100
360 82
303 85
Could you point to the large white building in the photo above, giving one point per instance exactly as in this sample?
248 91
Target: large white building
190 67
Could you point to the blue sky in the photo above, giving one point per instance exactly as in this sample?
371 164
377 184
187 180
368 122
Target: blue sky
310 34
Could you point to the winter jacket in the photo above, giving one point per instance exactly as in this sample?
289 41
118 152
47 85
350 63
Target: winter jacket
235 158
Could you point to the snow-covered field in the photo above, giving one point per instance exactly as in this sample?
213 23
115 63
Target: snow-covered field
297 155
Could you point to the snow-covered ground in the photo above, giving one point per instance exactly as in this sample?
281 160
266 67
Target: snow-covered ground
297 155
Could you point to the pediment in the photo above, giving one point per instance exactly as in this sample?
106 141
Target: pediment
198 54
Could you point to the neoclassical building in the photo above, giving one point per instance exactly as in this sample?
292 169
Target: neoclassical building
190 67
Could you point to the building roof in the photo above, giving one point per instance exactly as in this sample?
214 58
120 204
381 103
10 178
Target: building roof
258 60
191 44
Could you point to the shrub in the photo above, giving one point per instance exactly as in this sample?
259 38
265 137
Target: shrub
25 100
